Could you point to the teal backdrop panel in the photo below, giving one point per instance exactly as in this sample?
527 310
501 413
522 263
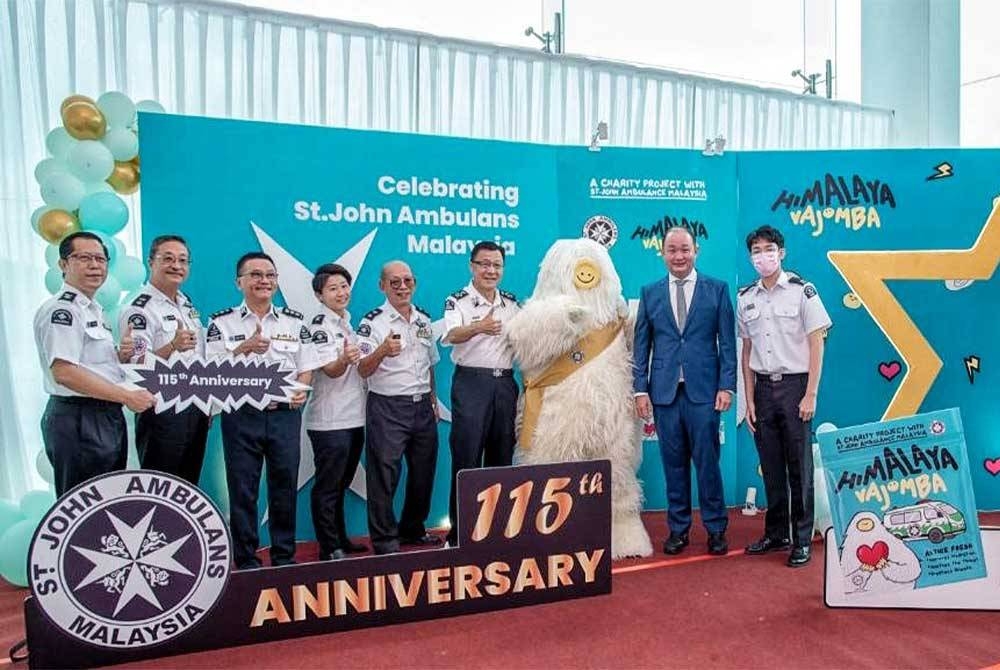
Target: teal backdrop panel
310 195
898 200
628 198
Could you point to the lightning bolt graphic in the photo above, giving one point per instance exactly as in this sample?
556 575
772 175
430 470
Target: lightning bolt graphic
971 367
941 171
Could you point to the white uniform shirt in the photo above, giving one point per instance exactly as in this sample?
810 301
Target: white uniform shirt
155 319
336 403
290 338
778 323
409 373
69 326
464 308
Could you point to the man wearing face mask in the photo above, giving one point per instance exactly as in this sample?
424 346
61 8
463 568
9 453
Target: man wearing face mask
483 392
398 358
163 322
782 322
684 376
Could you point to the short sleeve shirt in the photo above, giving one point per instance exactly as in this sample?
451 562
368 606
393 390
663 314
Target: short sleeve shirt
155 320
465 307
409 373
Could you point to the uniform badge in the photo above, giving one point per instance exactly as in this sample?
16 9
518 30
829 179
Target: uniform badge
365 348
213 334
424 333
577 357
137 321
319 337
62 317
364 330
304 335
449 304
68 296
194 315
809 290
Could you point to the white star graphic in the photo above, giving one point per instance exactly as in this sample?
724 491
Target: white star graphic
296 288
136 585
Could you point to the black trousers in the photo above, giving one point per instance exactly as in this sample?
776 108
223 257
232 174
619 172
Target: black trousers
172 442
785 448
483 409
336 454
250 438
84 437
398 428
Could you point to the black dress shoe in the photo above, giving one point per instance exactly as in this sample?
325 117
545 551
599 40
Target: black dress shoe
426 540
766 544
717 544
675 543
353 548
799 557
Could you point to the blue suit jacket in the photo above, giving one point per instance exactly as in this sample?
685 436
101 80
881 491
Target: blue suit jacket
706 348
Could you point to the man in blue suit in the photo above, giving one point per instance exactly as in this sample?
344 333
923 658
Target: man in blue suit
685 375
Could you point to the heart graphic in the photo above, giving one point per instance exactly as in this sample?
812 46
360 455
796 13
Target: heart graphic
889 370
992 466
871 555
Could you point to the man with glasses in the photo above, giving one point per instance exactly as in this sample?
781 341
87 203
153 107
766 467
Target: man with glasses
164 322
261 331
398 357
83 426
483 392
782 322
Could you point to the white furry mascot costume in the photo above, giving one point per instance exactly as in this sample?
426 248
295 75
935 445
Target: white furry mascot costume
571 340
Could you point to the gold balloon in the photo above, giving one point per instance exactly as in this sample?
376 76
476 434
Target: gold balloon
124 178
74 98
56 224
84 121
134 160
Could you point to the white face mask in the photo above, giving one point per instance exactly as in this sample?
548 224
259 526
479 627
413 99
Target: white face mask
766 263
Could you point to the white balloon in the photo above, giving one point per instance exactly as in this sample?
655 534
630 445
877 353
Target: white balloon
122 143
149 106
62 190
59 142
117 108
49 166
90 161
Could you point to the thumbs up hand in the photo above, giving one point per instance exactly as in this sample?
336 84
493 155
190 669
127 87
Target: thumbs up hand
258 343
126 347
392 344
489 325
184 340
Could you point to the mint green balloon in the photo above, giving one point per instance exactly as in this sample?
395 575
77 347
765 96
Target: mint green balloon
90 161
44 467
103 211
113 248
62 190
35 504
52 255
53 280
122 143
109 294
130 272
59 142
10 514
14 552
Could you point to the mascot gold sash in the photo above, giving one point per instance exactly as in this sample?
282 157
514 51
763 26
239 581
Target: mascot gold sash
586 349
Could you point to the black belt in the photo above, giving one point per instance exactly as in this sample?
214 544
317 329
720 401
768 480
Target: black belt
88 402
278 406
779 376
487 372
415 398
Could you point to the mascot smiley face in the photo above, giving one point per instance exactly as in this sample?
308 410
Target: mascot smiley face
582 270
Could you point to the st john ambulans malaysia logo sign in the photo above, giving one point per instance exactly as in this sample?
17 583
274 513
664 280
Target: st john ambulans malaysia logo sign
130 559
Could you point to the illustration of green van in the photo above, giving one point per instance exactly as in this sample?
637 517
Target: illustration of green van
933 520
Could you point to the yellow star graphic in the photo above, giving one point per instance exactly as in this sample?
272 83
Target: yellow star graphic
866 273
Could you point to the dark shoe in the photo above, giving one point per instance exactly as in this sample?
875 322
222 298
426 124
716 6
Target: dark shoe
717 544
334 555
766 544
675 543
353 548
427 540
283 561
799 557
381 551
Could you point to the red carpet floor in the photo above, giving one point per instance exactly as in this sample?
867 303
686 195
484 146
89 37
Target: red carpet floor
691 611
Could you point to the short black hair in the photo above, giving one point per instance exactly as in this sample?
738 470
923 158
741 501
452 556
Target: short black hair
325 271
486 245
250 256
66 246
768 234
671 229
163 239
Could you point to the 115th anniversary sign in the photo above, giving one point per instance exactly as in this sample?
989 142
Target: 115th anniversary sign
136 564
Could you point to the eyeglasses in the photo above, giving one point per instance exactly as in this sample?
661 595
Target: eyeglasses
87 259
257 275
397 282
486 265
170 259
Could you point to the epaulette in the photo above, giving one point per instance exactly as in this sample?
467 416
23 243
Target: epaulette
223 312
507 294
422 311
458 295
744 289
68 296
291 312
795 279
372 314
318 319
141 300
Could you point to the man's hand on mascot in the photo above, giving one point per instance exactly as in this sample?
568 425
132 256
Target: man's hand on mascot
643 408
488 325
723 399
576 313
392 344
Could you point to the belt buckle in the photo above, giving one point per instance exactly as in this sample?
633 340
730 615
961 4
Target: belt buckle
497 372
417 397
776 377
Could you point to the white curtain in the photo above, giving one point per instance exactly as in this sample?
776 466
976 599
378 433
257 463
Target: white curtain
224 60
